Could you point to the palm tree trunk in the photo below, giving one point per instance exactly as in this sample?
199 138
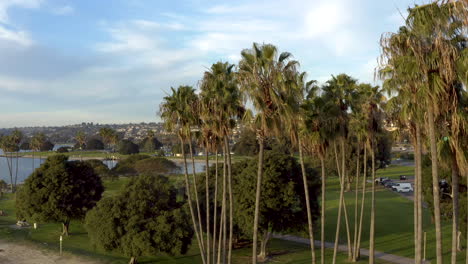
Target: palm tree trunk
418 155
417 244
306 192
194 176
215 209
16 170
455 208
189 201
322 220
340 205
344 173
231 201
257 198
356 203
435 184
10 170
220 239
361 218
207 194
372 220
224 203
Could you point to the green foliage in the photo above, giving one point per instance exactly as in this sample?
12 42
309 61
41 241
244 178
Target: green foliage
126 166
59 190
282 194
46 146
150 144
62 150
144 219
25 146
100 168
247 144
94 144
152 166
127 147
446 204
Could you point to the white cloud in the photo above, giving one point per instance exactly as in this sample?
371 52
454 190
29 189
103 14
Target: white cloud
6 4
64 10
19 36
326 17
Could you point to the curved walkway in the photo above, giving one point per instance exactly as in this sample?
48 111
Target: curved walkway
344 248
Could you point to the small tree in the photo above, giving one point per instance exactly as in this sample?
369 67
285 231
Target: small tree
127 147
46 146
144 219
59 190
94 144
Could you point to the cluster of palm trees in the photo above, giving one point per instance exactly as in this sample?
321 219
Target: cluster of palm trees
425 66
267 93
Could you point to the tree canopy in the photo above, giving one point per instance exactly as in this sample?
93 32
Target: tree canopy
145 218
59 190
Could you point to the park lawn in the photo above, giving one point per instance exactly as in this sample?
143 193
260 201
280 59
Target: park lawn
394 219
47 237
394 229
394 172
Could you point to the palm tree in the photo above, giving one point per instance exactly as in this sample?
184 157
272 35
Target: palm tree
36 143
261 75
175 111
316 132
338 94
80 138
222 103
293 118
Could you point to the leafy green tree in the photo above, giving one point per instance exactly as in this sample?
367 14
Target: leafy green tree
59 190
47 146
127 147
143 219
25 146
150 145
247 144
283 205
94 144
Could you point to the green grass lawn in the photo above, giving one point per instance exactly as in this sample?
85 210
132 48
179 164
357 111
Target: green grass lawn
394 230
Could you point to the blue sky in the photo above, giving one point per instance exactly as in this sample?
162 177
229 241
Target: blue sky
66 62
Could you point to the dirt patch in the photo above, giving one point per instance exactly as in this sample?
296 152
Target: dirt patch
30 254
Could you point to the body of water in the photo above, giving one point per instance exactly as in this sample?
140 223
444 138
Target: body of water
27 165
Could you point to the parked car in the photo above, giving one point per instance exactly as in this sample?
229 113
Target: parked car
380 179
384 181
405 189
390 184
402 177
402 187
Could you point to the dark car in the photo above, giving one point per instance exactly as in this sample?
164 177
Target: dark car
402 177
390 184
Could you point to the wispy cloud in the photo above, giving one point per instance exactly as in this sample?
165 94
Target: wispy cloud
63 10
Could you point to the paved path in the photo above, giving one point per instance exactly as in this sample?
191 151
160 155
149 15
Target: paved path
364 252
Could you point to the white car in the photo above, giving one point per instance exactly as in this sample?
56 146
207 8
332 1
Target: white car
402 187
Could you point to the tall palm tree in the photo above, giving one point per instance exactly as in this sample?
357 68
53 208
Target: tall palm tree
261 74
175 111
316 131
293 118
80 138
338 93
223 106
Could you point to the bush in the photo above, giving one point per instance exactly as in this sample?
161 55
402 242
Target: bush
127 166
127 147
62 150
94 144
47 146
154 166
100 168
